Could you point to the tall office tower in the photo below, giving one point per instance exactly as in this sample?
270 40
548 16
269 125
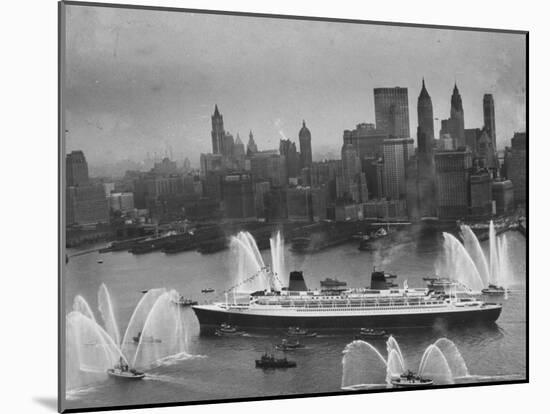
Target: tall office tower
299 204
86 202
397 152
425 121
227 143
425 170
471 138
457 119
487 156
268 166
77 169
517 168
366 139
481 193
292 159
351 172
305 146
391 107
489 118
453 183
238 153
251 147
218 133
238 197
238 148
373 167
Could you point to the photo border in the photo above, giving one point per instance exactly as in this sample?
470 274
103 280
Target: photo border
61 204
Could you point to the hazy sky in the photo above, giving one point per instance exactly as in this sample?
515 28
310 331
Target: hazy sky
141 80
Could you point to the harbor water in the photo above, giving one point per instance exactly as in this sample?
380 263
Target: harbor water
223 367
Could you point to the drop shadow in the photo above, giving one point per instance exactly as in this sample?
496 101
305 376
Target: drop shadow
48 402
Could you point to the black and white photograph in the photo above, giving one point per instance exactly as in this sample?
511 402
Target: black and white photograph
265 206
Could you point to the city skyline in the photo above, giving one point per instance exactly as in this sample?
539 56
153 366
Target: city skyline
115 101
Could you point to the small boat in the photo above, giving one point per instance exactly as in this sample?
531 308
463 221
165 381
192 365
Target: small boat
494 290
289 346
122 371
208 290
145 291
183 301
146 339
410 379
371 333
269 361
226 329
296 331
331 283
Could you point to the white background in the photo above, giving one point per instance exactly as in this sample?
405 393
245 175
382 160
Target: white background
28 159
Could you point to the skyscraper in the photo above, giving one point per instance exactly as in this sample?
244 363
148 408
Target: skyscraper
452 182
486 152
86 202
238 153
287 148
351 164
238 148
353 184
425 121
238 197
489 118
227 143
305 146
480 193
517 169
425 170
366 139
269 166
397 152
251 147
391 107
77 169
218 133
471 138
455 124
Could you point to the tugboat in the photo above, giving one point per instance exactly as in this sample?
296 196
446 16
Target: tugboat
122 371
410 379
269 361
207 290
148 339
296 331
183 301
494 290
371 333
286 346
226 329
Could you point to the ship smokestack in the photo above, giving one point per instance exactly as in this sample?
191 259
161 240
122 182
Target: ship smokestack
378 281
297 282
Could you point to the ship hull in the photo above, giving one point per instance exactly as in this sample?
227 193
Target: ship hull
211 318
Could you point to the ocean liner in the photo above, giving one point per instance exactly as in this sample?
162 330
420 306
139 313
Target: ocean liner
379 306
